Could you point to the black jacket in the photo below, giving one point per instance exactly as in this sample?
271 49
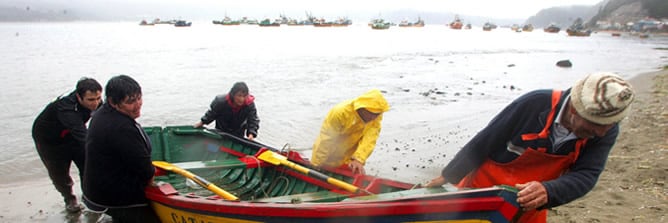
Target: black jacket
239 123
118 160
62 121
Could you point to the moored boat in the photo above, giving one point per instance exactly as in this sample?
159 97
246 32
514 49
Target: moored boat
576 32
527 28
227 21
552 28
182 23
273 189
418 23
144 23
380 24
578 29
488 26
268 23
456 24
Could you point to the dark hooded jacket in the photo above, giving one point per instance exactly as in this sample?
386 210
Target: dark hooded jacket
239 121
62 122
118 161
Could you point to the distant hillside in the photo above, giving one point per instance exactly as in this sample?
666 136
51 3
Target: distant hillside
562 16
624 11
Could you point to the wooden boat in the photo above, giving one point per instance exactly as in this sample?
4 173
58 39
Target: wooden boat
257 189
144 23
527 28
182 23
578 29
406 23
552 28
380 24
576 32
227 21
488 26
457 23
268 23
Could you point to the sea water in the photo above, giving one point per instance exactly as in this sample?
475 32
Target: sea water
443 85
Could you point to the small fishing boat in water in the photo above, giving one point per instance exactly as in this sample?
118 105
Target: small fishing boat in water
380 24
457 23
578 29
247 181
268 23
552 28
182 23
418 23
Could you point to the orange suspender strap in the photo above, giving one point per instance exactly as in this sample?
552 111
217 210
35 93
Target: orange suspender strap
556 95
579 145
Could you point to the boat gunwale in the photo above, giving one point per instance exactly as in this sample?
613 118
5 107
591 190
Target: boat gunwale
499 200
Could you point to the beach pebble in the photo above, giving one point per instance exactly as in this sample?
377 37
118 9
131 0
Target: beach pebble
564 63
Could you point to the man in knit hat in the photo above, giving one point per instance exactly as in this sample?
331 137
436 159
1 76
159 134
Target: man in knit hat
551 145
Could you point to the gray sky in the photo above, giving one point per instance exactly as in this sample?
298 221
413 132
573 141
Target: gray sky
236 8
492 8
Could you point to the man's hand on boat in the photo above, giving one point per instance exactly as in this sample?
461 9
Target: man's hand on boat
532 195
438 181
356 166
198 125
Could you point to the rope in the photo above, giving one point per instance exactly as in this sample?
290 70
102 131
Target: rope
259 170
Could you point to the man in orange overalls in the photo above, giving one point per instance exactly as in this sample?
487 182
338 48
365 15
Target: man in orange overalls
551 145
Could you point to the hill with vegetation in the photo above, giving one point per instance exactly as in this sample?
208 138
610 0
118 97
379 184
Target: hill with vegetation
625 11
561 16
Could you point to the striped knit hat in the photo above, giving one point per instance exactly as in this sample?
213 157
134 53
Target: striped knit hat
602 98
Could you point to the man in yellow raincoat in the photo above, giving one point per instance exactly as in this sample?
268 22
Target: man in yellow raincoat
349 132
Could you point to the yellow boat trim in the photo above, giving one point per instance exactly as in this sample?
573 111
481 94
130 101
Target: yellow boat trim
167 214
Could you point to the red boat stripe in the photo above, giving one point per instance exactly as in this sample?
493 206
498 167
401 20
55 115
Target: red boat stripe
316 210
233 152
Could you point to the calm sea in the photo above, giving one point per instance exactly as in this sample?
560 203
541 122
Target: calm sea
443 85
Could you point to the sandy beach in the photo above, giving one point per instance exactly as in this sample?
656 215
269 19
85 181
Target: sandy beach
631 189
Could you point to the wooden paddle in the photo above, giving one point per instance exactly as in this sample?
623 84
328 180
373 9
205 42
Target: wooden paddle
197 179
278 159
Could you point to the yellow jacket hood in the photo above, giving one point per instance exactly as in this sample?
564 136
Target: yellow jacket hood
372 101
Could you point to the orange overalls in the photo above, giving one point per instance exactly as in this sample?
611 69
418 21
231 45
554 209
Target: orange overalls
533 165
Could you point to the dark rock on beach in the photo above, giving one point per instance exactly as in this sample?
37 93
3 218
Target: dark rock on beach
564 63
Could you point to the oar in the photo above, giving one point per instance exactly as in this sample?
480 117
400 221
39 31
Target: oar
197 179
278 159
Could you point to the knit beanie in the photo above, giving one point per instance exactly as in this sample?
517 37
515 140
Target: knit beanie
603 98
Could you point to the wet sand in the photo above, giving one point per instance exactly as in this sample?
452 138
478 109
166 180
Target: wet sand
631 189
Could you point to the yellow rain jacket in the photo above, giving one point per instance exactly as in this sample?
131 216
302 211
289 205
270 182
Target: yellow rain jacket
344 136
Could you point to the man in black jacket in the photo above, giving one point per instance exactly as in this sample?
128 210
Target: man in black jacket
118 156
234 113
59 133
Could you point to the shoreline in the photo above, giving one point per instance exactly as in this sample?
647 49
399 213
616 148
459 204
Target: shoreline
632 188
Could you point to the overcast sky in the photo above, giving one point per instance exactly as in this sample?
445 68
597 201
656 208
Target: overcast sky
492 8
487 8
